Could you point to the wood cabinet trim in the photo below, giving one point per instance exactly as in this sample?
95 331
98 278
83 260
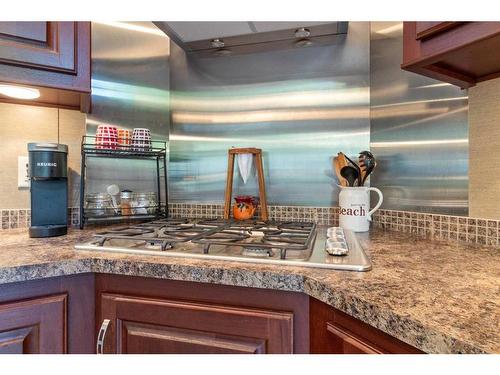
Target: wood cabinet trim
438 28
64 83
80 305
58 53
441 74
446 55
466 34
40 315
199 306
242 323
16 341
352 339
331 328
221 343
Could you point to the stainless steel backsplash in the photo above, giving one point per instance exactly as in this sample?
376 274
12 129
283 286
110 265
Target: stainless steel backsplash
301 106
130 88
419 132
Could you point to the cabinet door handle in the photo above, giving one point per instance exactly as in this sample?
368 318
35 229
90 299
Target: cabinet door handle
101 336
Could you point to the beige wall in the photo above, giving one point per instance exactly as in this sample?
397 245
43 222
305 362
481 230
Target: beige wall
484 148
21 124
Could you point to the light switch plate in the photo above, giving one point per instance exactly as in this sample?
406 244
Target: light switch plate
23 180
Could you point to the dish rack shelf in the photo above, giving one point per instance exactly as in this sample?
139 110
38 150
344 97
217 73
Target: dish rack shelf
156 152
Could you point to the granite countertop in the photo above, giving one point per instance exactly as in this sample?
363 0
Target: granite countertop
438 296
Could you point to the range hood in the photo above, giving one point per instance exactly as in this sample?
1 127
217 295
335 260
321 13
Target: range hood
226 38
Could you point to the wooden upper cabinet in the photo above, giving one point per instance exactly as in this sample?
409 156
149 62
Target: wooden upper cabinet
429 29
142 325
51 56
34 326
460 53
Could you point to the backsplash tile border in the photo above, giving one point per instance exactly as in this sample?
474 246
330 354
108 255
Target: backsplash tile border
319 215
435 226
15 218
441 227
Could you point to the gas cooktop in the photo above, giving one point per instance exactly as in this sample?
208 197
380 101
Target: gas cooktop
281 243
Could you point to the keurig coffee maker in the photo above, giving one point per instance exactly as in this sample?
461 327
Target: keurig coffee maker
49 189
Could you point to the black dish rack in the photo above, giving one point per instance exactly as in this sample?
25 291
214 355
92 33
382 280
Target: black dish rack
157 152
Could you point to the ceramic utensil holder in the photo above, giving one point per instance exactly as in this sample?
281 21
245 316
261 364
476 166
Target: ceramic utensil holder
354 212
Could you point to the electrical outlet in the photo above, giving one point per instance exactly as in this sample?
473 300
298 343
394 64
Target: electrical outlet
23 179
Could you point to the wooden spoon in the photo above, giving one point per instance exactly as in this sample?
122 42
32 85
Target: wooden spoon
338 163
336 167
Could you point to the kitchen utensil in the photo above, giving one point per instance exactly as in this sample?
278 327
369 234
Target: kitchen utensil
141 139
357 168
98 205
106 137
354 207
124 139
350 173
245 165
342 160
367 164
113 191
337 166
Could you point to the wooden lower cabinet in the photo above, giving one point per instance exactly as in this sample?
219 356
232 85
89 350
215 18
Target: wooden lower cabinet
165 316
146 325
34 326
333 332
147 315
54 315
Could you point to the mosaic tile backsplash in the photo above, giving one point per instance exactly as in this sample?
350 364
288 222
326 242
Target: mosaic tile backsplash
442 227
21 218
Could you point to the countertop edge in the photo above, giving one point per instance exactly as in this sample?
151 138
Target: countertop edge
404 328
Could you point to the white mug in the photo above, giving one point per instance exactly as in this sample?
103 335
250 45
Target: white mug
354 212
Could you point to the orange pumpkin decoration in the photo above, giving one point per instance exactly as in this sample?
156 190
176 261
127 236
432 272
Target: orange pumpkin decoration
245 207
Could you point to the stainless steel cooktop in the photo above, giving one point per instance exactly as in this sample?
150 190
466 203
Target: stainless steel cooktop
280 243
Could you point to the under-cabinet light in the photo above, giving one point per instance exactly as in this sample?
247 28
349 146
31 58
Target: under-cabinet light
19 92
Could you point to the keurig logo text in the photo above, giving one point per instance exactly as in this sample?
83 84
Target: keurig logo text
44 164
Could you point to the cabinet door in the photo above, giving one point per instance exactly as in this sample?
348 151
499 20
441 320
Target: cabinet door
333 332
53 57
41 45
146 325
33 326
454 52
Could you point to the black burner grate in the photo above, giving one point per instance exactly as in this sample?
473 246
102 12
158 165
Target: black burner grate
255 237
